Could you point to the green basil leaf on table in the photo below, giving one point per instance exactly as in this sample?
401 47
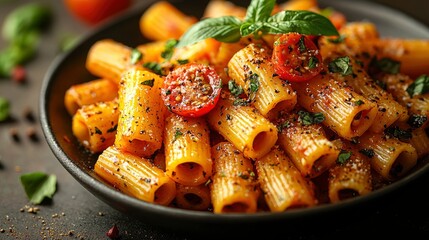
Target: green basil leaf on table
28 17
38 186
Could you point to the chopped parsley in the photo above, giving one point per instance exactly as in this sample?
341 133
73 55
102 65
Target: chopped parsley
419 86
386 65
177 134
136 56
343 157
341 65
398 133
235 89
369 152
307 118
148 82
170 45
154 67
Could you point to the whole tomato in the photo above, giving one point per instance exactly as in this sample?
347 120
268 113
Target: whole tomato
93 12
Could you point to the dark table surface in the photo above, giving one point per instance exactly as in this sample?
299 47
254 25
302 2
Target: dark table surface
74 213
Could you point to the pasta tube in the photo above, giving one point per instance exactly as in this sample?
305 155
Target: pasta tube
187 150
392 158
282 184
252 66
163 21
306 145
351 176
244 127
223 8
108 59
346 112
193 197
135 176
389 111
99 90
95 125
417 105
141 119
233 187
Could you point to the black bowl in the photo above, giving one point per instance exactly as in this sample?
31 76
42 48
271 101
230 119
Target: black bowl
69 69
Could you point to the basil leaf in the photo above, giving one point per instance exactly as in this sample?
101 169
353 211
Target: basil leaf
308 118
259 10
170 45
301 21
341 65
136 56
249 28
386 65
29 17
4 109
224 29
419 86
38 186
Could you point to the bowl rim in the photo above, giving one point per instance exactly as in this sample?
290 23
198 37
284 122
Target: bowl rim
99 188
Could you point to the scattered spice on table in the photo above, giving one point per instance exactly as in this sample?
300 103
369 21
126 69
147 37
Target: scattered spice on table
113 232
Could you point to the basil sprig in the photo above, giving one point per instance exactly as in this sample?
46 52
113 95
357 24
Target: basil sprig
258 21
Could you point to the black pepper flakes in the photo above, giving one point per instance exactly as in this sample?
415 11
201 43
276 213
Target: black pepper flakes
32 134
15 135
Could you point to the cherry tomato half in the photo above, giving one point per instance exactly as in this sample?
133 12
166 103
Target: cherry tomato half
296 57
95 11
191 90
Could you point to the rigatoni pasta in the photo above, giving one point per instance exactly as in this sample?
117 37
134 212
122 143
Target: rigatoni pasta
249 137
135 176
98 90
187 150
95 125
244 126
233 187
282 184
141 120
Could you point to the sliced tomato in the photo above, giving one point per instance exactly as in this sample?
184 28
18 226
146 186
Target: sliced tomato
191 90
296 57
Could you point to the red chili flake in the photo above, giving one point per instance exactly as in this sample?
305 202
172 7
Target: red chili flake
19 74
66 138
113 232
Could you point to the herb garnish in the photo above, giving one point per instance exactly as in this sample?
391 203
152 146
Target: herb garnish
170 45
341 65
398 133
4 109
308 118
136 56
369 152
416 121
258 21
386 65
343 157
148 82
235 89
38 186
154 66
419 86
